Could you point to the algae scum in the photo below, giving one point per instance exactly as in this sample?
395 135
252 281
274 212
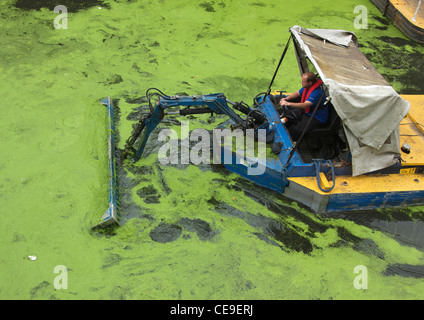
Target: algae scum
188 232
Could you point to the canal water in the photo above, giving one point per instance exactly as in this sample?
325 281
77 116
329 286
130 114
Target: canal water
187 231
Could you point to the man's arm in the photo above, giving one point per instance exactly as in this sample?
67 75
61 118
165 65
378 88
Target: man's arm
292 96
300 105
286 101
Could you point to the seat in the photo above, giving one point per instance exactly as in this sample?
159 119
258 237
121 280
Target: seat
331 127
326 140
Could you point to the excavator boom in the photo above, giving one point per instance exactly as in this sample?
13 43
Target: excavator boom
211 103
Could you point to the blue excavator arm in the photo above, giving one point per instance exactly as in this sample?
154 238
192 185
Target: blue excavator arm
212 103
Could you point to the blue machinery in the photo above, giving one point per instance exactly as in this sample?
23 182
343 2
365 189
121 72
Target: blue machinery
263 116
280 171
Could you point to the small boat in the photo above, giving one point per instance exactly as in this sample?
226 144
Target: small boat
406 15
369 155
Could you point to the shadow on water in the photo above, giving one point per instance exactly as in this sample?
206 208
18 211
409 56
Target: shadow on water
404 225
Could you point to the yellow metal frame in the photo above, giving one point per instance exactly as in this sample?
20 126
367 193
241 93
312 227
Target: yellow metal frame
411 132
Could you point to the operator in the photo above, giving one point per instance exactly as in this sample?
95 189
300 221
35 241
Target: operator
310 94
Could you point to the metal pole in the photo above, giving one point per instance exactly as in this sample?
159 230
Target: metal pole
416 12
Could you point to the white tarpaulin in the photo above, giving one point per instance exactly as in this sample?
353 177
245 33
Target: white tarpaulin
368 106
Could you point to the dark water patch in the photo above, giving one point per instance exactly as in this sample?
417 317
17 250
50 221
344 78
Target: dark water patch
381 28
107 232
270 199
127 207
410 233
272 230
138 113
155 44
149 194
263 237
413 79
222 171
140 170
166 232
139 100
381 19
201 227
171 121
362 217
289 237
112 260
399 60
403 225
369 247
126 183
113 79
378 22
226 209
257 4
117 119
165 186
71 5
209 6
405 270
347 236
289 234
40 288
397 41
147 191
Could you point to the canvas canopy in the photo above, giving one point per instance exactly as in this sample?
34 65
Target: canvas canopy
370 109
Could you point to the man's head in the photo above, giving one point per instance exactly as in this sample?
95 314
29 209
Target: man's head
308 79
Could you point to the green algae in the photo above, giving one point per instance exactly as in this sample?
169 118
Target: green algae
71 5
204 233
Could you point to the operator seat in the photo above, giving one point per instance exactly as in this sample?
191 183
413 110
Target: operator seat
326 139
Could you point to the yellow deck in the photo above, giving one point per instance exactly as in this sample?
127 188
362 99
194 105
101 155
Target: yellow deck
366 184
407 8
411 132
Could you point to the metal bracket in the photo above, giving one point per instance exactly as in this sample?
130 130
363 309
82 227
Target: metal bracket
111 214
317 164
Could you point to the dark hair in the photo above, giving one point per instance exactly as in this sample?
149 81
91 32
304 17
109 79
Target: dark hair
310 76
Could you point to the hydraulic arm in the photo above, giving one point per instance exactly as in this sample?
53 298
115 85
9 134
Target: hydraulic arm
212 103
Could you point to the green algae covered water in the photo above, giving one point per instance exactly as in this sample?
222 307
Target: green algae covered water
187 232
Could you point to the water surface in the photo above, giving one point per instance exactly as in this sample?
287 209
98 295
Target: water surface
188 232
